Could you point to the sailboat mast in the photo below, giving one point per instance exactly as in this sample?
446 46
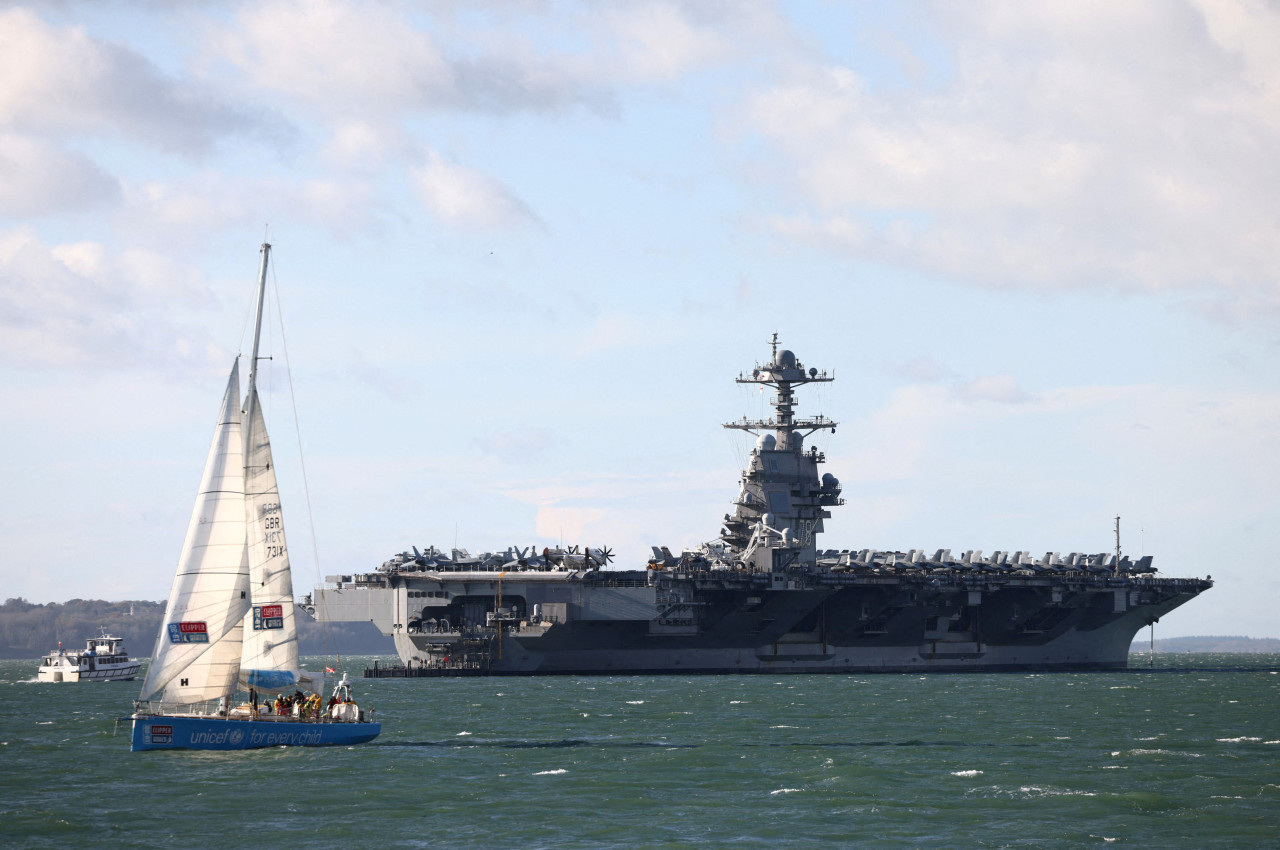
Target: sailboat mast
251 397
257 333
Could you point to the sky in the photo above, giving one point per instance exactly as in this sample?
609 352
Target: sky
521 250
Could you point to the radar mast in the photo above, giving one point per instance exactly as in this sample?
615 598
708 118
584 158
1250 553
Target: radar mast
782 501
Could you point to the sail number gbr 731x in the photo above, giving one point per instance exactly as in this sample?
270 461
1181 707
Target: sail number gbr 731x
272 531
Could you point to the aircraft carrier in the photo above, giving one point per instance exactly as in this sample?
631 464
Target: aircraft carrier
763 597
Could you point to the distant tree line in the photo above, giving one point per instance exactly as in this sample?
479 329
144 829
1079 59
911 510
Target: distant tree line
29 630
1208 643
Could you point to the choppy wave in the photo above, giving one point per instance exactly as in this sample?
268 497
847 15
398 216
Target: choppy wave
1032 792
836 759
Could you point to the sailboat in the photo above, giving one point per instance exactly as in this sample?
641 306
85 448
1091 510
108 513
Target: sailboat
229 624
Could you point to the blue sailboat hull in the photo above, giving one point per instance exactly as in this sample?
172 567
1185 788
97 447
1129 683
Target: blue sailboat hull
179 732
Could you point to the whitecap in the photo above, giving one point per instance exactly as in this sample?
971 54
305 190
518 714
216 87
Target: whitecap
783 791
1039 791
966 773
1245 740
555 772
460 734
735 702
784 727
635 702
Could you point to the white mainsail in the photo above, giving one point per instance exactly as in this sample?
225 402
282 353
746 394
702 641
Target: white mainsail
197 653
270 657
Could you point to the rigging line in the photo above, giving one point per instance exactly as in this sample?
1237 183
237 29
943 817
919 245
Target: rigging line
306 489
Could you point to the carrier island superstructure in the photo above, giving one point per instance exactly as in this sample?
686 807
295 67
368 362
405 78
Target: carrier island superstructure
763 597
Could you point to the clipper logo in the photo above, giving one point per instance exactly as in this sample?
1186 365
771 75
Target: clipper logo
158 734
268 617
188 632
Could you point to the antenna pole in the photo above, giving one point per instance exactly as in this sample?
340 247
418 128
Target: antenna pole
1117 570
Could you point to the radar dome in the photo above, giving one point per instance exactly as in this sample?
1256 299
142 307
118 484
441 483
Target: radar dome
785 360
766 442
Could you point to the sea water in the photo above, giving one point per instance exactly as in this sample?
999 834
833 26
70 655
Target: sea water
1183 755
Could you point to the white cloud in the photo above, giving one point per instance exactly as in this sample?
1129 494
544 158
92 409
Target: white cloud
361 145
1076 145
61 90
1206 451
465 198
81 305
61 81
569 524
663 40
613 330
339 56
38 178
628 513
381 61
1249 30
190 209
1001 389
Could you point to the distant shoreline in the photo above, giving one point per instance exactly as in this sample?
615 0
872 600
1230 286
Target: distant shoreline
1207 643
29 630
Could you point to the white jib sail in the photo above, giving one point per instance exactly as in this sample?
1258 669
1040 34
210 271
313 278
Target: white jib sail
270 658
197 653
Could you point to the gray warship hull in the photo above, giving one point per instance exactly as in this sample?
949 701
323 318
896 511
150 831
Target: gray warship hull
614 622
762 597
